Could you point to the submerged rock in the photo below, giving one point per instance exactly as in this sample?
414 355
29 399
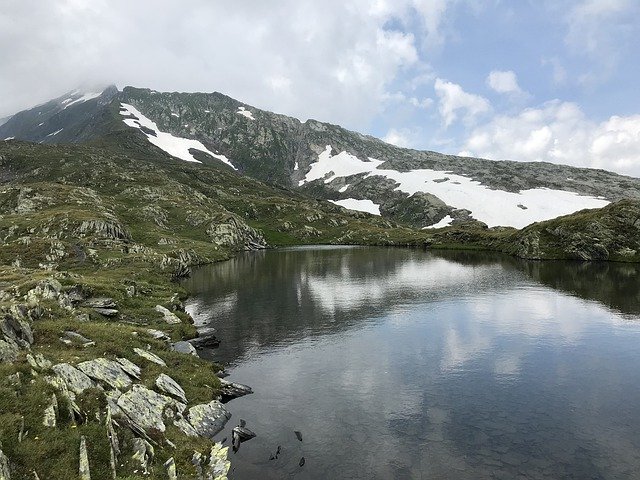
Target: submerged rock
152 357
208 419
75 380
106 371
168 385
230 390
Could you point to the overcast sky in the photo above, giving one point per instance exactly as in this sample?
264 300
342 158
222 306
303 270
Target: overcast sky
522 80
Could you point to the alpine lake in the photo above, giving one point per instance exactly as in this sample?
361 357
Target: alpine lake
396 363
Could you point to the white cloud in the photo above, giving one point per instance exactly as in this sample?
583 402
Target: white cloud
453 100
399 138
560 132
504 82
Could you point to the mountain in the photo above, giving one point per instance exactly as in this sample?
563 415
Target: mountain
359 172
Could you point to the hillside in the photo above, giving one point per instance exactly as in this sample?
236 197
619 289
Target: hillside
419 188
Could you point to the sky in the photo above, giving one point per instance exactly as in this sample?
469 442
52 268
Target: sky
524 80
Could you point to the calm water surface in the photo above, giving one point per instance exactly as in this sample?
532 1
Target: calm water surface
397 363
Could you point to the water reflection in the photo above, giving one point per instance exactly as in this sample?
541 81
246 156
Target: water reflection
405 364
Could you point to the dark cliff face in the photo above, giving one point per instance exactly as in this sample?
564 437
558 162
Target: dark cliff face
280 150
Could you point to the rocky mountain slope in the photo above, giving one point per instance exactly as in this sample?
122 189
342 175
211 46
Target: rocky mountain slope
359 172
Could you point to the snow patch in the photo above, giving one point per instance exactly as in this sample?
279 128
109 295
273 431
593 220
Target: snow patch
493 207
87 96
174 114
296 167
358 205
40 124
55 133
245 113
176 146
445 222
344 189
9 138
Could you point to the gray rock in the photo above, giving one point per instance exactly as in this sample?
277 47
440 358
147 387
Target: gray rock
219 464
99 302
230 390
16 330
15 379
75 380
158 334
106 312
143 453
38 362
184 347
130 368
208 419
8 351
106 371
51 412
83 469
144 407
168 385
169 316
5 474
74 338
152 357
170 465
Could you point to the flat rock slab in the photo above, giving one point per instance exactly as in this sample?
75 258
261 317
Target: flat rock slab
106 371
75 380
169 316
152 357
208 419
131 368
169 386
144 407
184 347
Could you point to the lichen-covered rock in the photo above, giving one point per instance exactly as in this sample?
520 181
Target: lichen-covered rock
168 385
184 347
5 473
144 407
169 317
152 357
83 468
208 419
106 371
38 362
73 338
51 412
129 367
75 380
8 351
143 453
170 465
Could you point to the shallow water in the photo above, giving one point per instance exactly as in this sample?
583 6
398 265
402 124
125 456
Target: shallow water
397 363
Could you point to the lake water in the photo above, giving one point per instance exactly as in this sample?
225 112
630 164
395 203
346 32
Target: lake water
399 363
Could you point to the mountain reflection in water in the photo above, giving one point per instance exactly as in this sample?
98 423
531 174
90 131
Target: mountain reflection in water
398 363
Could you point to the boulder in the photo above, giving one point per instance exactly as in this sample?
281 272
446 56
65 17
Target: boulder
106 371
168 385
75 380
152 357
144 407
184 347
169 316
208 419
130 368
16 330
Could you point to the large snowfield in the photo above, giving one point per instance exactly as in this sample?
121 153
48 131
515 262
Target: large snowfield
177 146
493 207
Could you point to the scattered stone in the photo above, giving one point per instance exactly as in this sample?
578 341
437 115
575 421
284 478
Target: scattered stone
8 351
144 407
243 433
85 474
75 380
130 368
168 385
106 371
15 379
208 419
301 462
152 357
83 317
298 435
38 362
5 474
184 347
51 412
170 465
106 312
143 453
74 338
99 302
169 316
131 291
16 330
230 390
158 334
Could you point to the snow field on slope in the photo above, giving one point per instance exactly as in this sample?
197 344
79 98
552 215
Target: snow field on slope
493 207
176 146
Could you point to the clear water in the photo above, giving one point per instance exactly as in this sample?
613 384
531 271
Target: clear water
397 363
